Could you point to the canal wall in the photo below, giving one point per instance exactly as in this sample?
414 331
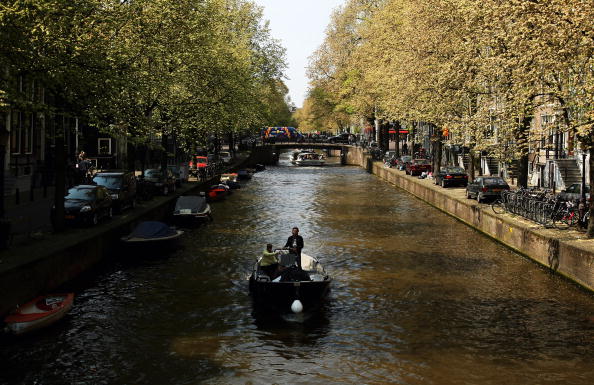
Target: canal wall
565 252
45 264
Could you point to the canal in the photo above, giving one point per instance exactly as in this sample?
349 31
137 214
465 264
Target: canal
417 298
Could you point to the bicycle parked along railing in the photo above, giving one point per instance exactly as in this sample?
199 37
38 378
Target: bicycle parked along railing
543 207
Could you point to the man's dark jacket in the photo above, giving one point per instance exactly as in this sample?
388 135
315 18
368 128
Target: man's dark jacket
299 242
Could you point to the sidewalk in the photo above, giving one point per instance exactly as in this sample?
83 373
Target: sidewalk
29 219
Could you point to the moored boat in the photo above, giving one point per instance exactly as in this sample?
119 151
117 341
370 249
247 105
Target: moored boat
217 192
152 232
310 159
244 174
192 207
295 289
38 313
230 179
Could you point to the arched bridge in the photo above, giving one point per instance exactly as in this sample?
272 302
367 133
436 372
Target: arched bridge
306 145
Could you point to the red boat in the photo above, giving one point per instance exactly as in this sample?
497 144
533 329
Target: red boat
40 312
217 192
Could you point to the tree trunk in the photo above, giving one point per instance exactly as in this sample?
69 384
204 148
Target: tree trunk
590 232
60 169
397 137
523 161
438 154
2 160
231 144
471 165
164 154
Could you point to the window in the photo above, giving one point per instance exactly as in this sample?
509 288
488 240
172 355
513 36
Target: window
15 132
104 145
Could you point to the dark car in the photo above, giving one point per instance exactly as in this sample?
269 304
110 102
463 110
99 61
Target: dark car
163 183
121 186
486 187
86 204
418 166
340 138
451 176
574 192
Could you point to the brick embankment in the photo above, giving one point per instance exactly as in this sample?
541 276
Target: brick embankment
43 265
567 252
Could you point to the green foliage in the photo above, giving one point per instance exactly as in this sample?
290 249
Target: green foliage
148 67
478 69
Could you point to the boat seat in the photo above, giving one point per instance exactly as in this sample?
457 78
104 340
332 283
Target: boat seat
287 259
262 278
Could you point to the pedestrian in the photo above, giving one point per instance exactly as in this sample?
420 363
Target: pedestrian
295 244
405 149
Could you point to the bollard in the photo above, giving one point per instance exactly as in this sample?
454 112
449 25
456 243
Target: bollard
17 196
32 194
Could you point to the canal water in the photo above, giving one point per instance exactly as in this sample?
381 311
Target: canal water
417 298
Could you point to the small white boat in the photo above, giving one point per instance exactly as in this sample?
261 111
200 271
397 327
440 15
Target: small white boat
151 232
310 159
40 312
192 207
230 179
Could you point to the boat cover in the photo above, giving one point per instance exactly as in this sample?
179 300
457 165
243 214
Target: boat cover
192 202
152 229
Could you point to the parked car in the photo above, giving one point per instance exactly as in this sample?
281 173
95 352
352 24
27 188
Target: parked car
181 175
451 176
403 161
162 182
121 186
388 155
486 187
418 166
198 164
225 157
340 138
574 192
86 204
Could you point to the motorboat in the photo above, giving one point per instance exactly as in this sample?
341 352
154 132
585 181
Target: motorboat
192 207
244 174
217 192
40 312
230 179
151 232
310 159
297 289
295 154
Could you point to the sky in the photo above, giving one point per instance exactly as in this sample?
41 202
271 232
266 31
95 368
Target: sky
300 25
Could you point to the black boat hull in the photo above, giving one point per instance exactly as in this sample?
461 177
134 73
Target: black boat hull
280 295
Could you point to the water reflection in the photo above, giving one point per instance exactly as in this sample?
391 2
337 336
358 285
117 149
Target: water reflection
417 298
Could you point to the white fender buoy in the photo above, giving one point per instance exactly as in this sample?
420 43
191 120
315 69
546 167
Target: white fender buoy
296 306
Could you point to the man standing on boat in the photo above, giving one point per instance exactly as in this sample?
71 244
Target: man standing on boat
295 244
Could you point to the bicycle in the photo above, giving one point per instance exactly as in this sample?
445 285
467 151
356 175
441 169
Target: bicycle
566 214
